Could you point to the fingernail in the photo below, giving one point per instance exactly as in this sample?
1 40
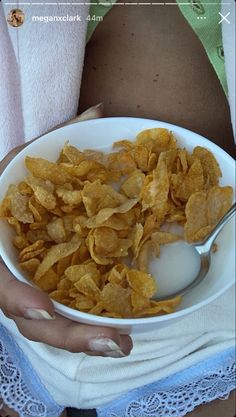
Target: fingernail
107 346
37 314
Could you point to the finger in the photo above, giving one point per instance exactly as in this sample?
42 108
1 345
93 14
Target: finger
94 112
74 337
19 299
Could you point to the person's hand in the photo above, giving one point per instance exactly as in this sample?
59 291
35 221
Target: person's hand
33 312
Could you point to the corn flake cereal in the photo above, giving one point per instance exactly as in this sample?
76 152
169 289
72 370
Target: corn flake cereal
86 226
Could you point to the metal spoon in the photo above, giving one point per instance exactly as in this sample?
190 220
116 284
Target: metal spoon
204 249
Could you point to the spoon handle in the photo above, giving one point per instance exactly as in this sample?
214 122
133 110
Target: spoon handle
208 242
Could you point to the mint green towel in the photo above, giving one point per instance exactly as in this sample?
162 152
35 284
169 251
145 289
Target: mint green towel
97 11
204 19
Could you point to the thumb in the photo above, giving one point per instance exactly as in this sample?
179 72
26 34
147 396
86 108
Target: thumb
63 333
23 300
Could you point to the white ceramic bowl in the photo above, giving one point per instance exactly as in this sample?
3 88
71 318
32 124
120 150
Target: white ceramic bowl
100 134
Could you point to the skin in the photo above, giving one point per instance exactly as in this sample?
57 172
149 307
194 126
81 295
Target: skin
59 332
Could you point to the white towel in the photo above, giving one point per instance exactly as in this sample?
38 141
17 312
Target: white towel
41 66
81 381
11 119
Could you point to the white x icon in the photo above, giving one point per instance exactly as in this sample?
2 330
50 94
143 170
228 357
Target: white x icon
224 17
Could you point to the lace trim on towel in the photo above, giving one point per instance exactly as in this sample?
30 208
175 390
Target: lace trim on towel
178 394
20 387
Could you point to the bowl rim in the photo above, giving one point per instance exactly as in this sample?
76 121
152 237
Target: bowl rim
76 314
102 120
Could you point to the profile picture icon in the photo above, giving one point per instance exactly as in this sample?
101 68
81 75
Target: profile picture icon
16 18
